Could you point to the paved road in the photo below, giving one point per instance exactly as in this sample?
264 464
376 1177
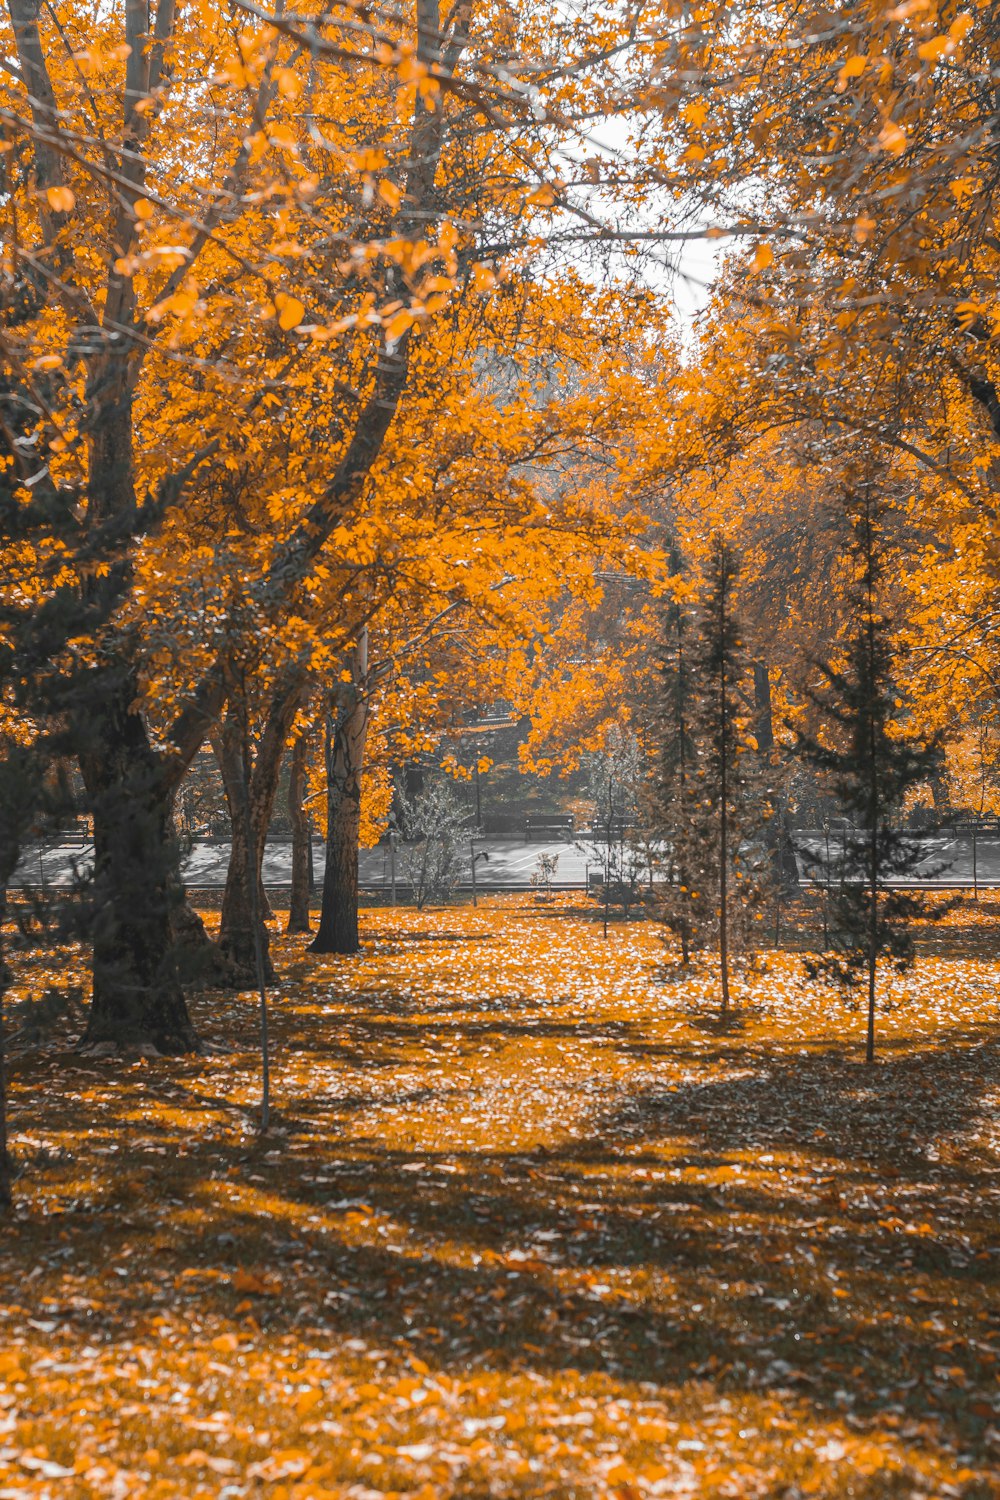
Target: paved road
510 865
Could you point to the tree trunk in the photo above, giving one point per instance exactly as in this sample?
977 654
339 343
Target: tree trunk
763 712
347 730
5 1193
723 811
201 963
249 817
250 793
298 903
138 998
872 945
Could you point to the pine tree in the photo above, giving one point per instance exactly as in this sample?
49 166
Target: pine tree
705 787
678 810
871 767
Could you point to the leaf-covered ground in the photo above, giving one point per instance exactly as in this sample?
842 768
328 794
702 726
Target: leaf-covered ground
529 1223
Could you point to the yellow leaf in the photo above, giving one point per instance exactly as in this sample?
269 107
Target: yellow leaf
542 197
968 313
61 199
763 256
936 48
290 311
852 68
398 324
143 209
390 193
226 1343
288 83
259 1286
892 138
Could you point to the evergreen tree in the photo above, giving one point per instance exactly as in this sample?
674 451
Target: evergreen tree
679 811
872 764
706 788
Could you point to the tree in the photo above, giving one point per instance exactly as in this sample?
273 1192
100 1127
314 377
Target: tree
705 770
872 765
346 730
173 329
430 826
678 809
614 781
301 824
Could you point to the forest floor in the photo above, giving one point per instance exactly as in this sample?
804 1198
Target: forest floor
529 1222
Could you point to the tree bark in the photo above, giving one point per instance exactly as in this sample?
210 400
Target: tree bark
5 1192
723 827
347 730
137 993
138 998
201 964
250 792
247 813
298 903
763 713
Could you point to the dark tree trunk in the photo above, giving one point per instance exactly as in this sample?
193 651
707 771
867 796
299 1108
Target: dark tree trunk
201 963
763 714
5 1193
241 915
347 729
298 903
777 835
250 792
874 798
138 998
724 834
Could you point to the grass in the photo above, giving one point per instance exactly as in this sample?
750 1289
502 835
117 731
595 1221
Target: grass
530 1222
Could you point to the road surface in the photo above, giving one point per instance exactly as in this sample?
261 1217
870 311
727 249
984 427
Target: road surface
510 865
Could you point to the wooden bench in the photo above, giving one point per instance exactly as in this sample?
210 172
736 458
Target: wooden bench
554 827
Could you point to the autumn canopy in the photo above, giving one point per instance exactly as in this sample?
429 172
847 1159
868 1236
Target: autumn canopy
431 423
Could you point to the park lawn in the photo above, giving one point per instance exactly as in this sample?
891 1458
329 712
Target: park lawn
529 1222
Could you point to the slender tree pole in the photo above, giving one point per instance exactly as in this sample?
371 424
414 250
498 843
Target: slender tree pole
298 900
5 1192
874 787
827 877
723 789
607 855
252 887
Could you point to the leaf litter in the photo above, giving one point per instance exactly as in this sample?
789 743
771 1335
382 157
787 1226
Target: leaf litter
531 1222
